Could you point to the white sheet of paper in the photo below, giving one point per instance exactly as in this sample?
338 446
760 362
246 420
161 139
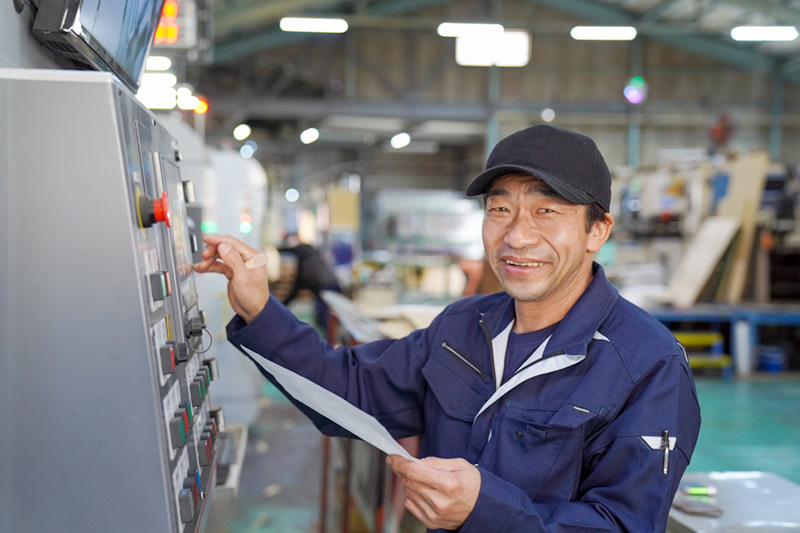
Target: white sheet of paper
333 407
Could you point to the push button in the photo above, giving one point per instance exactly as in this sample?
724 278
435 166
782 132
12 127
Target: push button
177 431
197 392
159 286
213 368
186 504
167 355
181 351
153 210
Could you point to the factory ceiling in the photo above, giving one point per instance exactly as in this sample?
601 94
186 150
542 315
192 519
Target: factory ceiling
282 82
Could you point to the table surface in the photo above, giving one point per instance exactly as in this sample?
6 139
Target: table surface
751 502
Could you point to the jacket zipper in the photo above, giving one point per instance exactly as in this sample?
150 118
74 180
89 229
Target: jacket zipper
491 347
464 360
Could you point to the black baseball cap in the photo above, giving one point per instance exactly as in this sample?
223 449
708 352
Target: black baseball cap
568 162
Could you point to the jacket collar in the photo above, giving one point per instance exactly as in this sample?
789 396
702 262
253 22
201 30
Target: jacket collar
578 327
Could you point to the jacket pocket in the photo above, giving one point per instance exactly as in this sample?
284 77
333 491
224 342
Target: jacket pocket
472 366
542 451
453 387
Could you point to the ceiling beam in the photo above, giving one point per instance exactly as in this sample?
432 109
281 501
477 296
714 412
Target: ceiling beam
743 56
229 20
782 13
273 37
658 12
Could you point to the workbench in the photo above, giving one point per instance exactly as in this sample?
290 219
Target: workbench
751 502
744 322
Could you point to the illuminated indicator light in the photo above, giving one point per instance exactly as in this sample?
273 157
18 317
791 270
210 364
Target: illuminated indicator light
170 9
167 282
189 414
199 483
202 106
186 424
245 227
208 226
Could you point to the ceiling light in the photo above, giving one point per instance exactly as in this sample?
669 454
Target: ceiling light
400 140
603 33
764 33
159 79
309 136
159 63
242 132
461 29
512 48
157 97
313 25
291 195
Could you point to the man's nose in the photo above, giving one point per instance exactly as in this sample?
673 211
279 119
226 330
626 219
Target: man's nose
522 232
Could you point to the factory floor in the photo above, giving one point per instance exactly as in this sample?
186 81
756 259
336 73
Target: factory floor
747 425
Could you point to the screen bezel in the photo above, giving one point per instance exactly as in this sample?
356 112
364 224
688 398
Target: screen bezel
58 23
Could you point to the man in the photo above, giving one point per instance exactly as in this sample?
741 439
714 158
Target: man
555 405
313 274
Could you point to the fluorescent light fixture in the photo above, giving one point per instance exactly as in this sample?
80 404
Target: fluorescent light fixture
313 25
158 97
159 63
512 48
461 29
603 33
242 132
764 33
309 136
159 79
400 140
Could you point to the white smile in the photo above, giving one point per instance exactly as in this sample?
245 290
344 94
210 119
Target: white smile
514 263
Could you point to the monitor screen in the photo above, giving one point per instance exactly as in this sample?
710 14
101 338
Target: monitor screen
112 35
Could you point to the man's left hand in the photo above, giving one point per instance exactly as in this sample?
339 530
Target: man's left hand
440 492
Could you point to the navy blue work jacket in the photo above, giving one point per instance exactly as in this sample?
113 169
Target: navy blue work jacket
574 441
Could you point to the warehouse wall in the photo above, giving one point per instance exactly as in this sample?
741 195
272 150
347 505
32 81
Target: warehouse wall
583 82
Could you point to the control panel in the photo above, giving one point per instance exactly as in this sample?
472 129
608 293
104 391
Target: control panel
105 373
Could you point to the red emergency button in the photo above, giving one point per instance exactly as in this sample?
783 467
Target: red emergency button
152 210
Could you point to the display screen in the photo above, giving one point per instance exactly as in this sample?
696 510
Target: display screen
124 28
181 236
112 35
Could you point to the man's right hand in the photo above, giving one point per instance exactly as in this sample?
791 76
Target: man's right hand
244 266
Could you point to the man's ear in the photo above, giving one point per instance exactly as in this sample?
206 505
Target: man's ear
599 234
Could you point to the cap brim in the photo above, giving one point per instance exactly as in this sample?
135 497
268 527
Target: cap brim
483 181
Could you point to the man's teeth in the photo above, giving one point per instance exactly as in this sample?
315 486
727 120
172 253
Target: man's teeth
514 263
